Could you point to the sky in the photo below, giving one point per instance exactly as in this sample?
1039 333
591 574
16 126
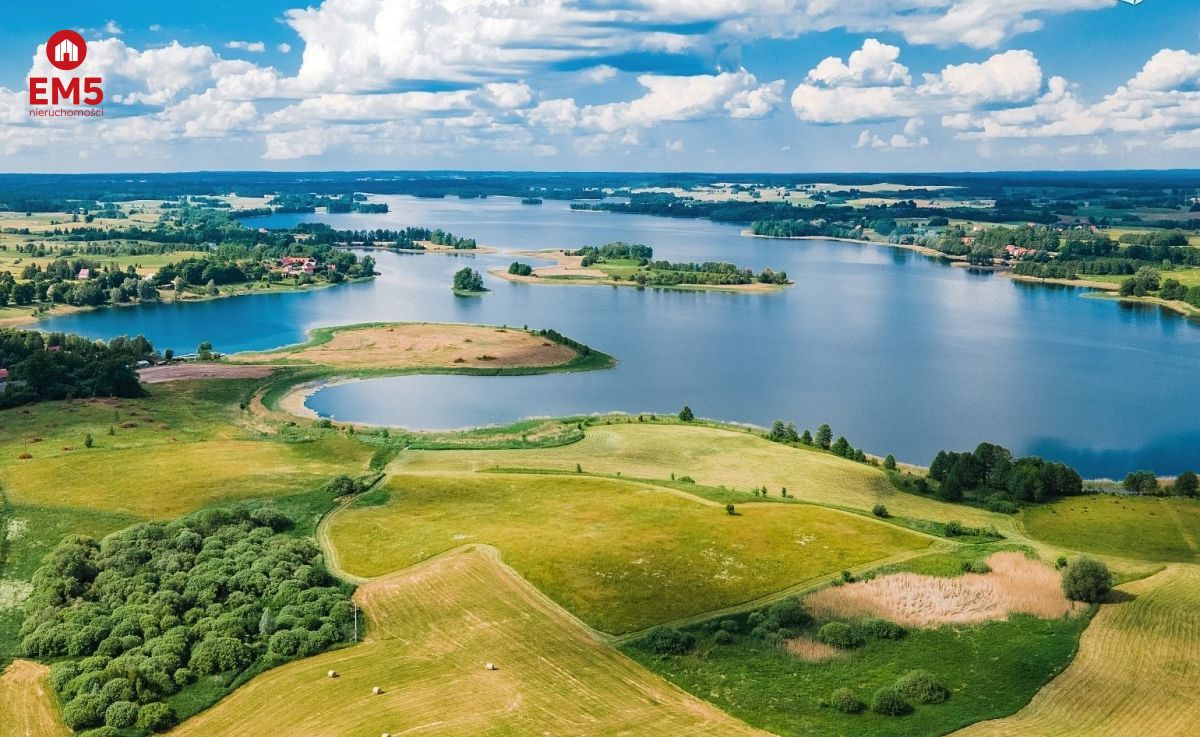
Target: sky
613 85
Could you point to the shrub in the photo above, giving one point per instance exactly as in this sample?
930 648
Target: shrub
272 518
880 511
1002 506
121 714
156 717
889 702
883 629
840 634
723 637
86 710
668 641
1087 580
922 687
101 732
729 625
1061 562
342 486
846 701
954 528
976 566
789 613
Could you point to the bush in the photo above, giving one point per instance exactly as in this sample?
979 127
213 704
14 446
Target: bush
271 518
668 641
101 732
889 702
86 710
121 714
1087 580
342 486
880 511
156 717
723 637
976 566
922 687
954 528
846 701
841 635
882 629
1002 506
789 613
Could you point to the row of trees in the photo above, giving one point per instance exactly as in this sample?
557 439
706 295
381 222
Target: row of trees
63 282
615 251
785 432
991 472
667 273
47 366
147 611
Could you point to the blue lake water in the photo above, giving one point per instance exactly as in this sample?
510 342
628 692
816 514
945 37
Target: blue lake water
900 353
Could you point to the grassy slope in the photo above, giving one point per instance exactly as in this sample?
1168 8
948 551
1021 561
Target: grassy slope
1135 674
991 669
173 451
713 457
1145 528
27 707
622 556
431 630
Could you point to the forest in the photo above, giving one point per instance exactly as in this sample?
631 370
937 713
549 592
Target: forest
47 366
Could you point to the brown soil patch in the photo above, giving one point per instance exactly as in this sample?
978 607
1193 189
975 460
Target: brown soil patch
1016 584
810 650
430 346
181 371
27 708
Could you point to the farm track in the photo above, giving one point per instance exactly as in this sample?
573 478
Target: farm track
27 707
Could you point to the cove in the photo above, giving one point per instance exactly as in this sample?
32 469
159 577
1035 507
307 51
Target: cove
899 352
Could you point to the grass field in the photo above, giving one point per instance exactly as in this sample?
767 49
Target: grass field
1131 527
173 451
27 706
1135 674
621 556
991 669
431 630
713 457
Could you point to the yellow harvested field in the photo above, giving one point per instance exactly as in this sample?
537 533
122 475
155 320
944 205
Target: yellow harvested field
165 481
1135 674
431 631
1015 585
712 457
27 706
426 345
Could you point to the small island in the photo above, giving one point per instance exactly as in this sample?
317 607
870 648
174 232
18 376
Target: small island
632 265
468 283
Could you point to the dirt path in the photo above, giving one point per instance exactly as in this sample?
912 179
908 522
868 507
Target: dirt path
27 707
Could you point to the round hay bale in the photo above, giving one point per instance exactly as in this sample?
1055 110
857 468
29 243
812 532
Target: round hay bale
491 666
333 674
377 690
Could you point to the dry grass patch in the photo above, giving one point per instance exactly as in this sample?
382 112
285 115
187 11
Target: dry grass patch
27 707
1016 584
431 630
183 371
1135 673
810 650
413 345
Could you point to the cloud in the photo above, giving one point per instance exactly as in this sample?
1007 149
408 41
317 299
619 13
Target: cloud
599 74
112 29
253 47
284 48
154 28
873 86
910 137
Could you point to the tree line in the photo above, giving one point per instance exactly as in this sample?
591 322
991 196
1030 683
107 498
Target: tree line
49 366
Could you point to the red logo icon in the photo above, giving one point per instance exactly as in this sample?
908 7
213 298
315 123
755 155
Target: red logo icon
66 50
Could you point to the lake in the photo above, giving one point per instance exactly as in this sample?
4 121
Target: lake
898 352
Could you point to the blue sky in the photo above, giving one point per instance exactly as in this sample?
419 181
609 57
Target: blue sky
713 85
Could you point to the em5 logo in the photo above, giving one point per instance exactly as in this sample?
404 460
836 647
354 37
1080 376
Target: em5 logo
65 50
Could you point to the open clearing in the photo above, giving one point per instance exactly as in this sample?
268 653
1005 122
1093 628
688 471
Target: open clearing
422 345
1016 584
622 556
431 630
27 707
180 371
1147 528
1135 673
713 457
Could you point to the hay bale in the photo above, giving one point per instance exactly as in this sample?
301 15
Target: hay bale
491 666
333 674
377 690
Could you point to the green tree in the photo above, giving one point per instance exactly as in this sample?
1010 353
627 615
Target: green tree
686 414
204 351
468 280
1187 484
824 436
806 438
1087 579
88 441
889 463
1141 482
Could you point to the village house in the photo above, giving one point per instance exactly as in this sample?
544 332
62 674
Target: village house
297 265
3 380
85 273
1018 251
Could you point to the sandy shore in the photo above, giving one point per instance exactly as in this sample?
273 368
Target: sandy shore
293 402
569 270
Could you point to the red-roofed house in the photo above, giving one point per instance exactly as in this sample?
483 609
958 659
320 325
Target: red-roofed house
85 273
